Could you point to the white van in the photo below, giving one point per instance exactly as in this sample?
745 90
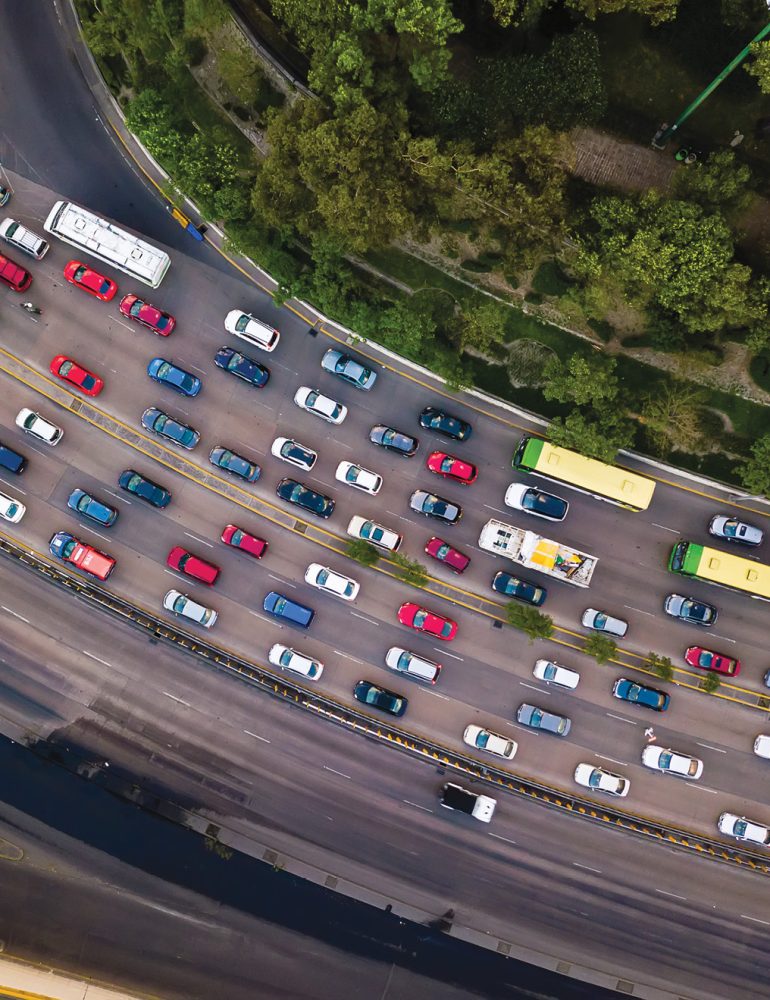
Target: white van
412 665
23 239
252 330
185 607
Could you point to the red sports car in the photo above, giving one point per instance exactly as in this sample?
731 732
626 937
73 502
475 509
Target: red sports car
452 468
132 307
90 281
697 656
239 539
70 371
439 550
427 621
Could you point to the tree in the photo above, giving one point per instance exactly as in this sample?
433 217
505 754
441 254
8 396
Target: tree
581 380
759 67
410 570
710 682
718 182
601 647
483 326
662 665
532 622
657 10
672 418
598 437
755 472
362 551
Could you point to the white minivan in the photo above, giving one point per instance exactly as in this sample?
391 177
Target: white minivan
23 239
185 607
252 330
409 663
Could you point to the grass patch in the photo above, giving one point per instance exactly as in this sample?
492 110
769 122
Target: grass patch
549 279
759 369
603 329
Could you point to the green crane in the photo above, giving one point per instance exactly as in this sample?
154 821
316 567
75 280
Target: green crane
666 132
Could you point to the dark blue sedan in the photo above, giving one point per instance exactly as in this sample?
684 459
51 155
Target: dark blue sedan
522 590
445 424
140 486
242 366
236 465
301 495
165 373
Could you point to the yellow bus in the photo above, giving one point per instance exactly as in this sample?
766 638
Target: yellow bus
721 568
605 482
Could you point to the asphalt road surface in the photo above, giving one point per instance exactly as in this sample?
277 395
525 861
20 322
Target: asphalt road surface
73 676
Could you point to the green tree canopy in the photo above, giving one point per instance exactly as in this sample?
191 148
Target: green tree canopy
719 182
599 437
657 10
532 622
755 471
601 647
582 380
759 65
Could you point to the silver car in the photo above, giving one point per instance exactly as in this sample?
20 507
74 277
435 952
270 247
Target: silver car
538 718
600 621
730 529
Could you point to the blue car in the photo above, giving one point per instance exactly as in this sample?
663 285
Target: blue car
640 694
242 367
301 495
284 607
140 486
522 590
87 505
175 378
165 426
236 465
349 369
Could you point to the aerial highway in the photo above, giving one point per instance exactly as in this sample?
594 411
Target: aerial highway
273 773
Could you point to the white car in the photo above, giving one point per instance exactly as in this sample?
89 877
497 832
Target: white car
291 659
38 426
322 406
743 829
600 621
358 477
333 583
671 762
555 673
762 746
377 534
10 509
599 780
531 500
291 451
483 739
252 330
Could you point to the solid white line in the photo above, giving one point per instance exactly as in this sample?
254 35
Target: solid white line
201 370
246 730
755 919
97 658
118 496
495 509
639 610
620 718
534 687
201 540
588 868
347 656
173 697
364 618
445 653
416 806
177 576
270 621
726 638
437 695
15 487
611 760
336 772
675 531
15 615
282 582
526 729
709 747
700 788
98 533
672 894
498 837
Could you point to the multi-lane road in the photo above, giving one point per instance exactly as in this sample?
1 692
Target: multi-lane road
335 799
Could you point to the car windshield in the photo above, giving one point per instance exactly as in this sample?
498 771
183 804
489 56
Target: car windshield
65 368
237 538
285 658
389 436
550 672
600 621
403 660
706 659
443 551
665 759
161 421
136 307
162 321
446 628
482 740
351 476
242 322
739 830
633 692
447 464
134 482
297 492
595 779
68 548
536 717
323 576
420 617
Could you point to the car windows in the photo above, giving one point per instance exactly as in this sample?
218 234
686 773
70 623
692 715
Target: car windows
420 617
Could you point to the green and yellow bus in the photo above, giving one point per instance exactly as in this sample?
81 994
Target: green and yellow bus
605 482
721 568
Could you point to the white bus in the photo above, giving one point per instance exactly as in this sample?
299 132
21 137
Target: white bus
106 241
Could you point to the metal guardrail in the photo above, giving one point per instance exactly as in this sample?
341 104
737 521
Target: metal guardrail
357 721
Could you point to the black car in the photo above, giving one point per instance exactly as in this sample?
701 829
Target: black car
294 492
139 486
687 609
522 590
393 440
445 424
235 464
242 367
377 697
432 506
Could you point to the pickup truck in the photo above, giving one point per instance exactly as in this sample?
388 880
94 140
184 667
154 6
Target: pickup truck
481 807
85 557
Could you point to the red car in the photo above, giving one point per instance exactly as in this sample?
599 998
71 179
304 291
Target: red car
439 550
90 281
697 656
239 539
132 307
452 468
427 621
70 371
186 562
